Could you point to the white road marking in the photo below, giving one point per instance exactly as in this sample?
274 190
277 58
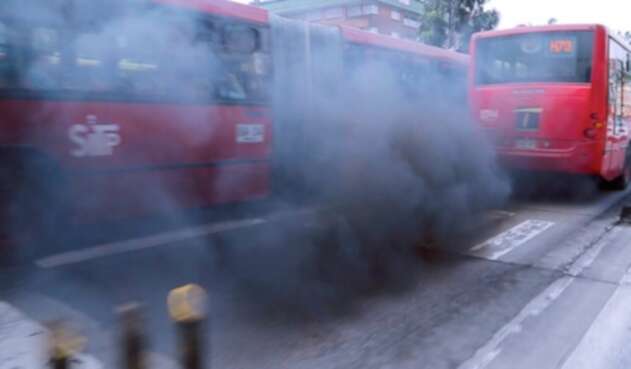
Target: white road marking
507 241
24 343
487 353
502 214
137 244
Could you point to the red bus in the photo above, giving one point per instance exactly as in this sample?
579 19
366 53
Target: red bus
110 109
320 106
555 98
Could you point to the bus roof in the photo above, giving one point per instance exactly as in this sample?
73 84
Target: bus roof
223 7
545 28
363 37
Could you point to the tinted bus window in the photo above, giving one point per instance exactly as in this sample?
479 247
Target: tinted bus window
535 57
413 75
138 69
92 66
245 65
182 59
43 62
6 66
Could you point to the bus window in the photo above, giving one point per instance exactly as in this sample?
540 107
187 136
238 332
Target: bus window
43 69
91 69
260 69
199 68
195 61
230 83
138 68
406 74
6 67
536 57
169 64
245 67
240 39
452 82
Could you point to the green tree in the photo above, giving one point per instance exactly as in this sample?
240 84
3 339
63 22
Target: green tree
450 23
434 23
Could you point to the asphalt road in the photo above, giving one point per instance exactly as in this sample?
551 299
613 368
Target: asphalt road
541 283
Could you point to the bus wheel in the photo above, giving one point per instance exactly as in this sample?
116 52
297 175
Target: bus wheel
33 216
621 183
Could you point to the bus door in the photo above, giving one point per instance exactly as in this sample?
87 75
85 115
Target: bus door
617 125
626 107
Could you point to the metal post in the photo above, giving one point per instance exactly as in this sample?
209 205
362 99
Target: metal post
187 307
625 214
60 362
133 338
190 344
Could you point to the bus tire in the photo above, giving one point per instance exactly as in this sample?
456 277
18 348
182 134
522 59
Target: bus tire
34 219
622 182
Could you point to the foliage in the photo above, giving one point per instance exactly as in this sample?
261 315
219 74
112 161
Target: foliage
450 23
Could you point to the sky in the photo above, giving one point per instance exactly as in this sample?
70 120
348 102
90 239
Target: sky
615 14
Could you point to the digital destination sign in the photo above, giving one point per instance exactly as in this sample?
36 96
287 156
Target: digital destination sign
562 46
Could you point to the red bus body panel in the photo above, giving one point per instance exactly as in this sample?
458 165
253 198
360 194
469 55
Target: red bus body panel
562 146
182 154
567 110
225 8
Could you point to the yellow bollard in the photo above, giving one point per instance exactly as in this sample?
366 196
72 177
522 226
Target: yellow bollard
64 344
187 307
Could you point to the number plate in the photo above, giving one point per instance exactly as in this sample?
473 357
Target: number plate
250 133
525 144
528 119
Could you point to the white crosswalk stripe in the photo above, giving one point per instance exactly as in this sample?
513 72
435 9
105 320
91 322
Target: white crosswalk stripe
507 241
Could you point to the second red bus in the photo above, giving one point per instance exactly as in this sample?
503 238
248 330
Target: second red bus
555 98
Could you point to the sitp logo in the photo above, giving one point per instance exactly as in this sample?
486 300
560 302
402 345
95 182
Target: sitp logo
94 139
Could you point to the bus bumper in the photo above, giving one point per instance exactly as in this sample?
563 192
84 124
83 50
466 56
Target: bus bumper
578 158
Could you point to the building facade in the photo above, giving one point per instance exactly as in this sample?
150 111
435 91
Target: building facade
397 18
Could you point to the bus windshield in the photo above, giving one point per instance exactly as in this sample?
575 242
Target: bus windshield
564 57
189 60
